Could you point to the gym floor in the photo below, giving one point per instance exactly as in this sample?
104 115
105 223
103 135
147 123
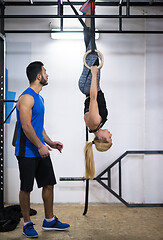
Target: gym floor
102 222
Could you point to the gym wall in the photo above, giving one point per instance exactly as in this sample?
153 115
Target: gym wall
132 82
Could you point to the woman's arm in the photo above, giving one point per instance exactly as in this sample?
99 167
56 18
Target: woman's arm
93 89
92 118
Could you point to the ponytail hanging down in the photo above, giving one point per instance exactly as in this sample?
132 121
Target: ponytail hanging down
101 146
89 161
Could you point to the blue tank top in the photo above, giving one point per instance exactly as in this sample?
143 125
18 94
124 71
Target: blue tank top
24 147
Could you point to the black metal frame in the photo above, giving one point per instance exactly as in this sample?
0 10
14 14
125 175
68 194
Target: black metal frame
6 101
107 186
2 122
2 77
127 4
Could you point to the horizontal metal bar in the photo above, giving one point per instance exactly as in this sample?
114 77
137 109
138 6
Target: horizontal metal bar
42 31
145 204
81 16
78 178
157 4
98 31
146 152
8 100
72 178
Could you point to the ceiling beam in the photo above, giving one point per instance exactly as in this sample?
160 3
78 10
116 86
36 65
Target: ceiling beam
112 3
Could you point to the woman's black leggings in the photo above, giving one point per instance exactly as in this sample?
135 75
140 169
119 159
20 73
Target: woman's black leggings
90 36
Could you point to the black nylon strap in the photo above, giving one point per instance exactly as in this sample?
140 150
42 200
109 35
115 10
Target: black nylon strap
99 126
93 47
76 13
92 33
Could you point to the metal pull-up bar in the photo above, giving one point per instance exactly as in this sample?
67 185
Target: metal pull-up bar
60 15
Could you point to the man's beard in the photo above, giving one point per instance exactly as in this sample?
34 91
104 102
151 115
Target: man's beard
43 81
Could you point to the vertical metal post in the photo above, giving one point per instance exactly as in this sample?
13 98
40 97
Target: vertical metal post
86 197
60 13
87 184
2 11
127 7
120 19
120 182
109 178
59 7
2 77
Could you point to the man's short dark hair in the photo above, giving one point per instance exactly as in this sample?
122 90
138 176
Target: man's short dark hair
33 69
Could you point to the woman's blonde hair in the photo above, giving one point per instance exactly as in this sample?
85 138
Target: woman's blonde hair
101 146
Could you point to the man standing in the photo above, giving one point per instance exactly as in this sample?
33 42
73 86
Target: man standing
32 152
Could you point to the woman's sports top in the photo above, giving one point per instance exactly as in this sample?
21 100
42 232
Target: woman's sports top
102 109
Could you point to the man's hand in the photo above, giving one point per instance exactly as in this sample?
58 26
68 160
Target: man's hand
44 151
57 145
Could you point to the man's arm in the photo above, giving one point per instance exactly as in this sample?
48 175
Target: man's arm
52 144
25 105
46 138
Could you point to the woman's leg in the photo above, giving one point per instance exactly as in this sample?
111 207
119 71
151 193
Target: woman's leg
92 60
87 30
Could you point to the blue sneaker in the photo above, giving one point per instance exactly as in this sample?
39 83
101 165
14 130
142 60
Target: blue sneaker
55 225
29 231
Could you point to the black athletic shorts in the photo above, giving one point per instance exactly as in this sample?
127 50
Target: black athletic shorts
38 168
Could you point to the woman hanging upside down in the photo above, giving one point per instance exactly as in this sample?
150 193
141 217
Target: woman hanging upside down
95 111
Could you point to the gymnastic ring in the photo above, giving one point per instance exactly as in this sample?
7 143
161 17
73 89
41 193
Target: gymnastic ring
100 56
